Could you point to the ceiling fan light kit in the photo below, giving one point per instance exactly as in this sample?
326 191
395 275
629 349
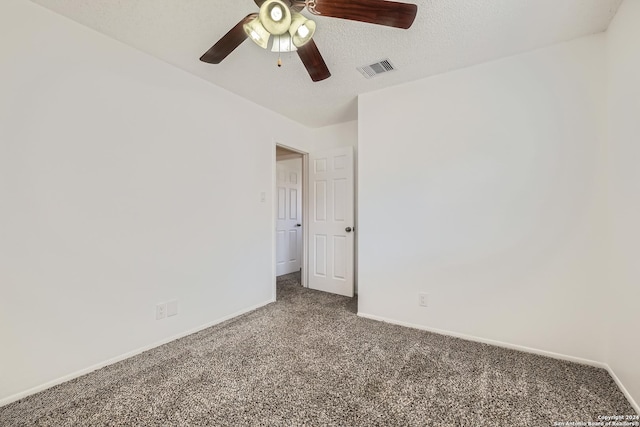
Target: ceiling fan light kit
276 19
279 17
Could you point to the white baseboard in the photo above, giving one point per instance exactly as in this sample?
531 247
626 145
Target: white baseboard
624 390
487 341
111 361
512 347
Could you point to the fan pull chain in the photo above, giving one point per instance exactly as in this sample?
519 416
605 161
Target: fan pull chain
279 51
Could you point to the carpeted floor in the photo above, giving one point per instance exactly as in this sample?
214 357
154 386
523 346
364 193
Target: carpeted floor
309 360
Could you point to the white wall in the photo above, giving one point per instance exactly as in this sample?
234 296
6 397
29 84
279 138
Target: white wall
483 188
124 182
340 135
624 156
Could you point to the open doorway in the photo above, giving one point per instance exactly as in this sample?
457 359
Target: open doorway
318 222
289 219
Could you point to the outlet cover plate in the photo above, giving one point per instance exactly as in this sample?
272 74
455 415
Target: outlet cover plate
172 308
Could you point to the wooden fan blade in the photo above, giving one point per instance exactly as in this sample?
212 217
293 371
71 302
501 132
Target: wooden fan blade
259 2
313 61
381 12
228 42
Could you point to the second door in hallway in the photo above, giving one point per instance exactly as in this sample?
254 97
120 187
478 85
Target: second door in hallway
288 216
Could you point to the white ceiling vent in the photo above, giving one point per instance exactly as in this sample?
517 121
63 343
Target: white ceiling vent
373 70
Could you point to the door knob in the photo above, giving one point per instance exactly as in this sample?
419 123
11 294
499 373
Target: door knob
298 225
348 229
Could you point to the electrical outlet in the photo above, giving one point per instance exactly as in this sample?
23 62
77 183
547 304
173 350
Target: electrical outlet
161 311
423 299
172 308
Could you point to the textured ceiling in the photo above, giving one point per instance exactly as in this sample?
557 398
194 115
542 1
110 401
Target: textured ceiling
447 34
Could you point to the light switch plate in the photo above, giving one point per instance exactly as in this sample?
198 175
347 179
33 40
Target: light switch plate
423 299
161 311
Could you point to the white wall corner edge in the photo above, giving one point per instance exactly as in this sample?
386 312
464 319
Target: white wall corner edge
510 346
116 359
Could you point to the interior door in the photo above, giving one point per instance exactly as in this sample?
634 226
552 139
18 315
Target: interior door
331 222
289 216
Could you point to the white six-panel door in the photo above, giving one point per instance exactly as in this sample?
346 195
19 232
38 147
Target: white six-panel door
288 216
331 221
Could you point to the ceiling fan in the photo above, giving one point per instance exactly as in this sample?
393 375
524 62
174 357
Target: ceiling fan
293 31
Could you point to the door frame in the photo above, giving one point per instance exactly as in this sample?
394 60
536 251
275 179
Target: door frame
305 213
